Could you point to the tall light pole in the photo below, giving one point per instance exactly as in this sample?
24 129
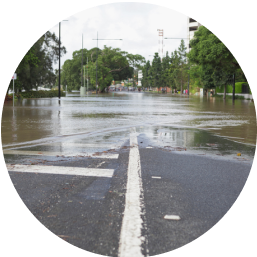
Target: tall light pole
59 84
188 62
87 75
84 75
97 54
83 87
82 64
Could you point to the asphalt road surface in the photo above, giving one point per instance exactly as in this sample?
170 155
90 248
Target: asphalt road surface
132 201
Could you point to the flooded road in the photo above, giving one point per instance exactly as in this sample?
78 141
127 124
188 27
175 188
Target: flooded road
193 124
101 171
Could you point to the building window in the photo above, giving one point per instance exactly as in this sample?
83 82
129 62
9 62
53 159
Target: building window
193 28
192 20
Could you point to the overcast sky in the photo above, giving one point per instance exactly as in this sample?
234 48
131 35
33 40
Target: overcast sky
135 23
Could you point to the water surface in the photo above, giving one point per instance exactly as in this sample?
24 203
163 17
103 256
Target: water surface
196 124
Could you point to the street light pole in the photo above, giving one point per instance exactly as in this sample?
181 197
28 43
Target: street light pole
96 60
82 64
97 55
87 75
59 83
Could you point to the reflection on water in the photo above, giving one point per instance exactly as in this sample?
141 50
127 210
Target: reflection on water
166 120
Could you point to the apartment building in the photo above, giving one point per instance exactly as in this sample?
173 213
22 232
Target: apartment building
192 26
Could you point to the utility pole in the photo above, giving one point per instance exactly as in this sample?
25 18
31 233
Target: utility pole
87 75
96 61
59 83
84 75
133 74
82 64
234 81
97 55
188 80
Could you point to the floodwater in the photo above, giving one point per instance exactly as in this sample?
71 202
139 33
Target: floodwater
194 124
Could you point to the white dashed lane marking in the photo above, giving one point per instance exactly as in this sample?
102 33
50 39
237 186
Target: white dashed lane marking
60 170
171 217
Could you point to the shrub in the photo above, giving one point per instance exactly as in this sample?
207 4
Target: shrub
41 94
238 88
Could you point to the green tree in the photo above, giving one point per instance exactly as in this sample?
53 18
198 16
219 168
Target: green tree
221 77
207 49
166 71
156 71
195 73
240 76
111 64
174 71
36 67
183 67
146 80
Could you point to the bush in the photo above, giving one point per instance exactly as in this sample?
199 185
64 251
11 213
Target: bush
41 94
238 88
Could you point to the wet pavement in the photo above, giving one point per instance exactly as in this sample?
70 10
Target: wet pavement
69 161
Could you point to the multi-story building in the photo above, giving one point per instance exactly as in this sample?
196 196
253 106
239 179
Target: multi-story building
192 26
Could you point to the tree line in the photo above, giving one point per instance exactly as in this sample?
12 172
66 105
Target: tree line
171 71
208 64
104 65
36 67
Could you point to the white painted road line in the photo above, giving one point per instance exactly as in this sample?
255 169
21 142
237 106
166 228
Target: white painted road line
132 223
156 177
45 153
171 217
60 170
